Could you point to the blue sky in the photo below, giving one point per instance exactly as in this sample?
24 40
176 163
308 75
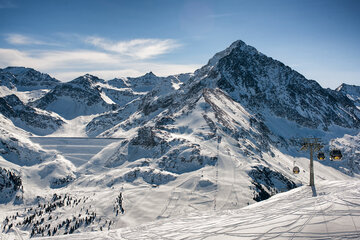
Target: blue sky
108 38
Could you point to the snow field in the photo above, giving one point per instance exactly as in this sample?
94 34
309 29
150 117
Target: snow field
76 150
330 211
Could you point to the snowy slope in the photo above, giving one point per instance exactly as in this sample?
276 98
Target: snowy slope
27 169
28 118
16 146
75 98
350 144
26 83
330 211
34 170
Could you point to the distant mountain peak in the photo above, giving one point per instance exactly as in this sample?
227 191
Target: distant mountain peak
87 80
351 91
345 87
17 70
25 79
149 75
20 71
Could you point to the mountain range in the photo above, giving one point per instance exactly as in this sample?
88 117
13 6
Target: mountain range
223 137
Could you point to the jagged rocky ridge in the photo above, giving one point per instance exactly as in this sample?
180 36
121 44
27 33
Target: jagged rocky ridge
130 93
28 118
351 91
78 97
240 80
261 83
26 79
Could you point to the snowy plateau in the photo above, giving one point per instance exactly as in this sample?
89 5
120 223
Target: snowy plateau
203 155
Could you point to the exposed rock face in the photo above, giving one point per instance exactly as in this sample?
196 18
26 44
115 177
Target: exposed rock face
268 182
135 95
61 182
24 116
78 97
351 91
149 175
261 83
26 79
233 96
10 184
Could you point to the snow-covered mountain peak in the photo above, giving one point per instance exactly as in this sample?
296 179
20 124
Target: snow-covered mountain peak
149 75
25 79
238 45
260 82
351 91
17 70
81 96
87 80
349 88
243 47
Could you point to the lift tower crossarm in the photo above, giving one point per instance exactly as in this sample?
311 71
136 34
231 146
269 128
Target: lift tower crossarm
313 145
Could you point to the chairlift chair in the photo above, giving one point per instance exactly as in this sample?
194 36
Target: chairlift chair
321 156
296 170
335 155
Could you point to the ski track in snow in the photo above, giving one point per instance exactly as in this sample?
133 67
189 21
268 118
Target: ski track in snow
334 213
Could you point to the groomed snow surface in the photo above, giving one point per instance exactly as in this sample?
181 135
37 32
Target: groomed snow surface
330 210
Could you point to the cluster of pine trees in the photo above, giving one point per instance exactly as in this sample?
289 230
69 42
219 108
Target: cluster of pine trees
38 219
10 183
46 218
118 208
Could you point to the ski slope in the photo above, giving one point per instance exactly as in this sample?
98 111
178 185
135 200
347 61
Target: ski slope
331 210
78 150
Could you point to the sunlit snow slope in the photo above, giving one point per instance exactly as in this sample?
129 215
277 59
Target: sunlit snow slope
75 149
328 211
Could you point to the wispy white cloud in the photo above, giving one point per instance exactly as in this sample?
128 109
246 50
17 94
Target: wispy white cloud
99 56
20 39
136 48
129 70
67 65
